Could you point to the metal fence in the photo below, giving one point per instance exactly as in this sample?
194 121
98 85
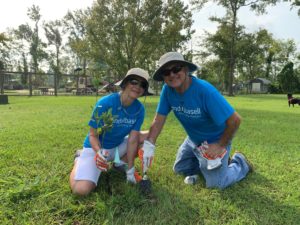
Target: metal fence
31 84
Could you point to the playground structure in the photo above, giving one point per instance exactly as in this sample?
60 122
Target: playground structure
49 84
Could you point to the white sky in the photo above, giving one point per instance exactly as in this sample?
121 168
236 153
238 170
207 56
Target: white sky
283 23
14 12
280 20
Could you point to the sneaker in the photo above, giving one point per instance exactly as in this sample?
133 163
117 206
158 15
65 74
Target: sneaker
77 153
250 165
191 180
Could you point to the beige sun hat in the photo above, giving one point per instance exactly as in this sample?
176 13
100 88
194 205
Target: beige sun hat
139 73
168 58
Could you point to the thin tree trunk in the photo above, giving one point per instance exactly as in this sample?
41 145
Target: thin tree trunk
57 74
232 48
84 74
232 59
1 82
30 82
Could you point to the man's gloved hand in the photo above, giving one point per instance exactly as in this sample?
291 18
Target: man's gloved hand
101 161
215 161
148 153
211 151
203 148
132 176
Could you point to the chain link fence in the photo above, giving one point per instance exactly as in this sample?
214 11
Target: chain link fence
31 84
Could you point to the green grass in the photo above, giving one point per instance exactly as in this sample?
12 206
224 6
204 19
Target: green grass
38 136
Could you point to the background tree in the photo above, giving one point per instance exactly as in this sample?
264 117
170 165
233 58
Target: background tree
219 45
3 39
287 79
3 55
232 7
286 53
75 27
256 55
126 34
54 37
295 4
212 71
36 46
3 49
177 18
17 55
269 48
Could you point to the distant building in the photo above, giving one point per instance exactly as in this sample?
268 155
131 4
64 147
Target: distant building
259 85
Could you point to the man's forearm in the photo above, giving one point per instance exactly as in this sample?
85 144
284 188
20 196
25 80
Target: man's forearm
227 136
156 127
232 124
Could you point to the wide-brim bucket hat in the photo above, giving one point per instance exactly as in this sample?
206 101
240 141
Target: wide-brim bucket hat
169 58
136 72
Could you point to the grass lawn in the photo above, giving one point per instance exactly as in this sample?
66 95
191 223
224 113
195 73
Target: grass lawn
38 137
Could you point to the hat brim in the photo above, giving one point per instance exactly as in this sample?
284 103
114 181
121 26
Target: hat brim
121 84
157 76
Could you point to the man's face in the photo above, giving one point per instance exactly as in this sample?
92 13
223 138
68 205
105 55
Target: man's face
174 74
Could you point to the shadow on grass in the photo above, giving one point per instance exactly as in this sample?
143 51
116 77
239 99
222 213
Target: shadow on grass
248 197
127 205
243 203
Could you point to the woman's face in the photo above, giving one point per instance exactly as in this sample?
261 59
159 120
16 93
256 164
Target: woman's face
135 87
174 75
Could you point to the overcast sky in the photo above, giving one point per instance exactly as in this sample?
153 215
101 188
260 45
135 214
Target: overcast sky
280 20
283 23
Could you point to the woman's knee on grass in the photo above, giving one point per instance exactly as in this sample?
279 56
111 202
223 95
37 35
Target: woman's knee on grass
83 188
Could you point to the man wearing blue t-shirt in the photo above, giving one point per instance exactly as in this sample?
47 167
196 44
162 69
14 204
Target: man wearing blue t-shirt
208 119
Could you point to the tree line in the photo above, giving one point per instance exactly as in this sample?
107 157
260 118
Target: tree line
108 38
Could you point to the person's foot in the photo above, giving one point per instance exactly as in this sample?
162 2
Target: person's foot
250 165
191 180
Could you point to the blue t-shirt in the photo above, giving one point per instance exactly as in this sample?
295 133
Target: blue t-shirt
126 119
201 110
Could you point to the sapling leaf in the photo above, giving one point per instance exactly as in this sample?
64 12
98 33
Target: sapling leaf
107 120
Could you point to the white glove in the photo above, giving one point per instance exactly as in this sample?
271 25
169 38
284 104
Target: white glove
101 161
148 154
202 148
211 163
130 176
214 163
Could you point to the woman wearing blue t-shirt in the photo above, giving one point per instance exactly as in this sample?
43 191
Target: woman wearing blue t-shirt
120 142
208 119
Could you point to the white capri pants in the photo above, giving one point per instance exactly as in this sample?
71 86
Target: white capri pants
86 168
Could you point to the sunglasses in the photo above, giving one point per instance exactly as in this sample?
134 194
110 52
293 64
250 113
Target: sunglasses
135 82
175 69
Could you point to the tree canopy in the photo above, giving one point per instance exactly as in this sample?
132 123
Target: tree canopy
232 7
110 37
127 34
